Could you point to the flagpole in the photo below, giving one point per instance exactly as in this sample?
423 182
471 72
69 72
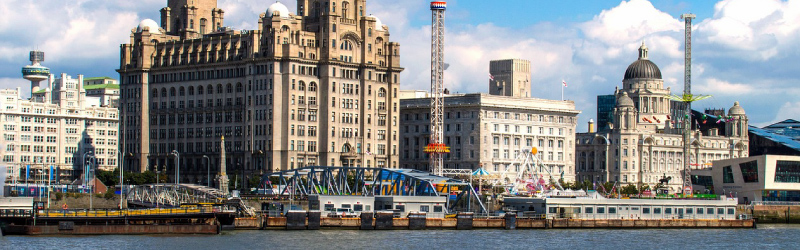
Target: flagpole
562 91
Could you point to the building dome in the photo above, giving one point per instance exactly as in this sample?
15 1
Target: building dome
278 7
736 109
624 100
378 23
642 68
151 25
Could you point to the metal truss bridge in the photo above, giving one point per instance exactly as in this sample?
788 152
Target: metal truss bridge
356 181
172 195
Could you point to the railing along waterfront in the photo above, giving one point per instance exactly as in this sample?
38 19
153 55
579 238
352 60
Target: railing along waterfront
128 212
774 203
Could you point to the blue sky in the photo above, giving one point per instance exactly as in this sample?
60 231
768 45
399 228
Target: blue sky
743 50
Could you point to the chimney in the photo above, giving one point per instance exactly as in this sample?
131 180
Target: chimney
591 125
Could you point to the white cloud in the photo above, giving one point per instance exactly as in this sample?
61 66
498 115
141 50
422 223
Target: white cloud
631 20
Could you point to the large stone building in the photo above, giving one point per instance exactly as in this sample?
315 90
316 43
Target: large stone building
510 77
490 131
314 88
55 128
645 142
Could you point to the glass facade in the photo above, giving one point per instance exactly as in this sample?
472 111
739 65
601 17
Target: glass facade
705 181
727 174
605 110
780 195
787 171
749 171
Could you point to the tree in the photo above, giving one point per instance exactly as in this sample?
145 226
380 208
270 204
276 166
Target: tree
629 190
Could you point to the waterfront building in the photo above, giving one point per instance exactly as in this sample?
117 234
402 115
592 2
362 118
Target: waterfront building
490 131
318 87
644 143
756 178
774 141
55 127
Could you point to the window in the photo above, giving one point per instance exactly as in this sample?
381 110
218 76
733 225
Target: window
657 210
749 171
727 175
787 171
588 210
601 210
612 210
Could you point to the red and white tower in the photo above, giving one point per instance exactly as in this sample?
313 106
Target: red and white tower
436 147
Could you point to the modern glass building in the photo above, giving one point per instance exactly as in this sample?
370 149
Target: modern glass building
605 110
758 178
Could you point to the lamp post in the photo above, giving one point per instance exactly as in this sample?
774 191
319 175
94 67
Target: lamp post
121 177
85 172
177 166
89 176
208 171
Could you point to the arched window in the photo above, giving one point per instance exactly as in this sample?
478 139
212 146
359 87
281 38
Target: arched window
191 90
312 86
301 86
382 92
154 93
181 91
172 91
219 88
163 92
239 87
229 88
200 90
191 24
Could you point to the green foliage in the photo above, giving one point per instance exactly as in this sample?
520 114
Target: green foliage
109 194
629 190
59 196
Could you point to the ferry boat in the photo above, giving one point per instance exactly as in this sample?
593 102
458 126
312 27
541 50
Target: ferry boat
591 205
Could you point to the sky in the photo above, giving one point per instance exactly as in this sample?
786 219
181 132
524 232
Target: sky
742 50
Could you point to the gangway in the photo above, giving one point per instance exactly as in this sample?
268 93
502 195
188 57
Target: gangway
168 195
326 180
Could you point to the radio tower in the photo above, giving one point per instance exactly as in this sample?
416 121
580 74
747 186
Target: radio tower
687 96
436 148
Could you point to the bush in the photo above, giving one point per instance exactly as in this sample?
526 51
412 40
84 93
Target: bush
59 196
109 194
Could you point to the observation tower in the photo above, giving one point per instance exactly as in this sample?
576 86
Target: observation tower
36 72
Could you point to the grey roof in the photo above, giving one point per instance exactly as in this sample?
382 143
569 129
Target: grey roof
783 140
642 68
788 123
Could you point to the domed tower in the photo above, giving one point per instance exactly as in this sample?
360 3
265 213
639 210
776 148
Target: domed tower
645 87
737 124
191 18
625 113
35 72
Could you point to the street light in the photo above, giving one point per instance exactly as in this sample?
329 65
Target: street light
177 166
121 177
208 171
88 175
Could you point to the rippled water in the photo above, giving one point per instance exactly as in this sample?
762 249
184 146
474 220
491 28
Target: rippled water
776 236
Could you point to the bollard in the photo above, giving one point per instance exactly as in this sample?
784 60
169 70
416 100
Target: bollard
366 221
296 220
417 221
511 220
314 220
384 220
464 221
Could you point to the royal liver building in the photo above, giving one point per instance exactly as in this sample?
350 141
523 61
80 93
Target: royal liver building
318 87
644 142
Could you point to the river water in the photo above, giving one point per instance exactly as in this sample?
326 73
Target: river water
767 236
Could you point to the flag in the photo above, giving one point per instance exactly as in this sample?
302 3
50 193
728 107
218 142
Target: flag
564 83
491 77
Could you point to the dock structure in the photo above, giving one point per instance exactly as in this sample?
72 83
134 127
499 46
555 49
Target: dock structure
301 220
356 181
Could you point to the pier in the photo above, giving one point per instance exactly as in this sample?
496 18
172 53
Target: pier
300 220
